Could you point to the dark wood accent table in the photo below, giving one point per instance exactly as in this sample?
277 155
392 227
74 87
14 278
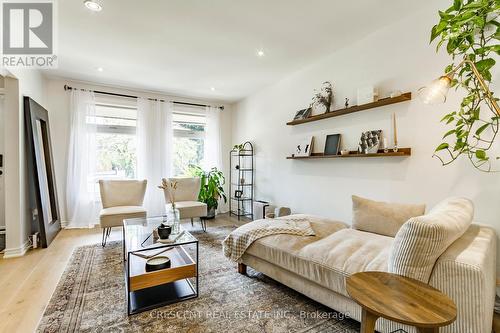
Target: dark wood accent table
400 299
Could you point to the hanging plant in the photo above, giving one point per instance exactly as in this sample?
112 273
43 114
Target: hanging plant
470 31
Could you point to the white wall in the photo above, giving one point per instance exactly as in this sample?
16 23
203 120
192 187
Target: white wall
58 107
18 84
396 57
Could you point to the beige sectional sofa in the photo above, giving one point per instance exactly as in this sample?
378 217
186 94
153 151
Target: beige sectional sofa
318 267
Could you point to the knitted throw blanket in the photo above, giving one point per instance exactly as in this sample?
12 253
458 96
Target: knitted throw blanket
240 239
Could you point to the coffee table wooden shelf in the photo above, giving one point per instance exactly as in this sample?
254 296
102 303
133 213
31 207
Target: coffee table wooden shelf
149 290
400 299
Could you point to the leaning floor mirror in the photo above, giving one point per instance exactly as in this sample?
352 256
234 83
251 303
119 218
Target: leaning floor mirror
41 178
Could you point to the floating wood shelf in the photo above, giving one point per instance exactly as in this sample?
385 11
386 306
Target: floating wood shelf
356 108
401 153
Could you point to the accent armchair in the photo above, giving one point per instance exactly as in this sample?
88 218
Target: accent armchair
186 199
121 199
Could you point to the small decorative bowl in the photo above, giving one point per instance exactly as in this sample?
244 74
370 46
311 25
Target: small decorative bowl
164 231
344 152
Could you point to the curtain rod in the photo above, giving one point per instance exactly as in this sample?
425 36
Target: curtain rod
66 87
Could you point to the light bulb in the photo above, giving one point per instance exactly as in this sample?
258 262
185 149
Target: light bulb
436 91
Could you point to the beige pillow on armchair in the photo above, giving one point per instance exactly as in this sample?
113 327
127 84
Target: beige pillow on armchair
421 240
382 218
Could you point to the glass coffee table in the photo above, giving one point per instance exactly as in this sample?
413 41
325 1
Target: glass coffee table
149 290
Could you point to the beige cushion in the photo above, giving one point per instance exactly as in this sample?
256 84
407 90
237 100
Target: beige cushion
188 189
334 253
114 216
382 218
422 239
190 209
122 192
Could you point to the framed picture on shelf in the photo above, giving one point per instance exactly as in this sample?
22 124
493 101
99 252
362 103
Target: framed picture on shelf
304 147
332 144
302 114
238 194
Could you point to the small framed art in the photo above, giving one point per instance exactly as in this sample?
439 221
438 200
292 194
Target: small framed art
332 144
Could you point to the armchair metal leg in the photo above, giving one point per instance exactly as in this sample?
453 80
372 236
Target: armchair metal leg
105 235
203 224
192 222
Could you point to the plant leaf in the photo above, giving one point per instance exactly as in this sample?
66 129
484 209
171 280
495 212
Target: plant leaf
482 128
481 154
442 146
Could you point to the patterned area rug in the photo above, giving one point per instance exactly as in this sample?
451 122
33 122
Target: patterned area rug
90 297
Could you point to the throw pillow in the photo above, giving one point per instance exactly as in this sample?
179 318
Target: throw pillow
382 218
421 240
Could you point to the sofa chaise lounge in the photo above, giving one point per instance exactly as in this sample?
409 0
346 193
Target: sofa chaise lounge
318 266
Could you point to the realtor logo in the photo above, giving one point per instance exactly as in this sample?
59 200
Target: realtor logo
28 34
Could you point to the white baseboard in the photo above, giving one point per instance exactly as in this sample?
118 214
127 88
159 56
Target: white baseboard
17 251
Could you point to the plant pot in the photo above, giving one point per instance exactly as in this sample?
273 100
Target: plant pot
211 213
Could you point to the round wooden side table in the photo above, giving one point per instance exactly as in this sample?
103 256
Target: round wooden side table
400 299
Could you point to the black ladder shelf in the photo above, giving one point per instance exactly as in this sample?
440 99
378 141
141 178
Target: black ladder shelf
241 181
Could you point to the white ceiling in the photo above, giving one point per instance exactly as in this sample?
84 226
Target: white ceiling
185 47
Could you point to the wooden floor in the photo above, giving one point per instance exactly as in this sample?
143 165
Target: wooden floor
27 283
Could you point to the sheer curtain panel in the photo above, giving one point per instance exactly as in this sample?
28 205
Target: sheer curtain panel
154 153
82 205
212 145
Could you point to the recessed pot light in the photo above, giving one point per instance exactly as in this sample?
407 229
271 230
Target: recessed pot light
212 88
260 53
93 5
100 69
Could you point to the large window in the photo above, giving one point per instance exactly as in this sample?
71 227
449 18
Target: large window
189 137
116 141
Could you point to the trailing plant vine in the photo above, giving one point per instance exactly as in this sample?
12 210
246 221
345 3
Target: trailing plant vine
470 31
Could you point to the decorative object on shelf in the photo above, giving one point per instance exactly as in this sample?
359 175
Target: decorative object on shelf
164 231
157 263
355 108
370 141
332 144
238 147
304 147
395 93
322 100
237 167
212 187
367 95
475 42
241 206
384 145
346 104
302 114
395 132
345 152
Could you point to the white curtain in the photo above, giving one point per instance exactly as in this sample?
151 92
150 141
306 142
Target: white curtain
82 206
154 150
212 145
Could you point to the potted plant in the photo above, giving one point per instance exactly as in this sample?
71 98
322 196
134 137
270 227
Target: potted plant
211 190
